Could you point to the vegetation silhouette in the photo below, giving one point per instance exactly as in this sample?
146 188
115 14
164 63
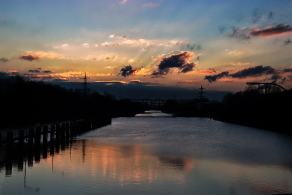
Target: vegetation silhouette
27 102
251 108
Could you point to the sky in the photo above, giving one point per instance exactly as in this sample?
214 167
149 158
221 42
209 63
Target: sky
220 44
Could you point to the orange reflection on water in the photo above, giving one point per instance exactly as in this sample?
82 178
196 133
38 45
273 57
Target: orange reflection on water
121 163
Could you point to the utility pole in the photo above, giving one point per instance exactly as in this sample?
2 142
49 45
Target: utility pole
201 92
85 84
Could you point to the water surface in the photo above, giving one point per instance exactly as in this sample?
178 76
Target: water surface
161 155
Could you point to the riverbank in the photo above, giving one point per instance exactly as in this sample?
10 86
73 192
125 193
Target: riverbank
26 103
249 108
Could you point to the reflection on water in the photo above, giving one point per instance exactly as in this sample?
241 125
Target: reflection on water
145 155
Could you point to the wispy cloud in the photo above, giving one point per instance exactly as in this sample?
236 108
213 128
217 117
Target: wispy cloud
124 41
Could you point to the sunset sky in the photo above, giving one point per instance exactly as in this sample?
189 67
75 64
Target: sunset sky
220 44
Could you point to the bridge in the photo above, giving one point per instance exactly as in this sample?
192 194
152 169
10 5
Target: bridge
150 102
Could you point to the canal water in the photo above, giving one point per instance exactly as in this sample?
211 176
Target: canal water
153 153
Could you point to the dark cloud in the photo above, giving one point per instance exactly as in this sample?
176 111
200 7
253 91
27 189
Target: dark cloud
127 71
47 71
248 33
187 68
215 77
181 61
270 31
256 71
34 71
39 71
29 57
4 60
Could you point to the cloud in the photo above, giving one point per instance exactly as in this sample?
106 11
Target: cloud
85 45
180 61
264 72
256 71
47 71
40 71
187 68
127 71
271 31
35 71
36 55
124 41
215 77
4 60
29 57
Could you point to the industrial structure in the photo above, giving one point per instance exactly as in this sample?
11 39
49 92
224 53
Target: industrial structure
265 87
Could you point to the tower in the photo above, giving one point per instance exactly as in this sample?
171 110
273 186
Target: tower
85 84
201 93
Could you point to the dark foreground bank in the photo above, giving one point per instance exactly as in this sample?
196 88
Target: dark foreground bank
24 103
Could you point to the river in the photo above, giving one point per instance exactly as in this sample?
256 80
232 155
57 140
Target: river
153 153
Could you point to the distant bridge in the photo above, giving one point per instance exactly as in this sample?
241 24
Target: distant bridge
150 102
